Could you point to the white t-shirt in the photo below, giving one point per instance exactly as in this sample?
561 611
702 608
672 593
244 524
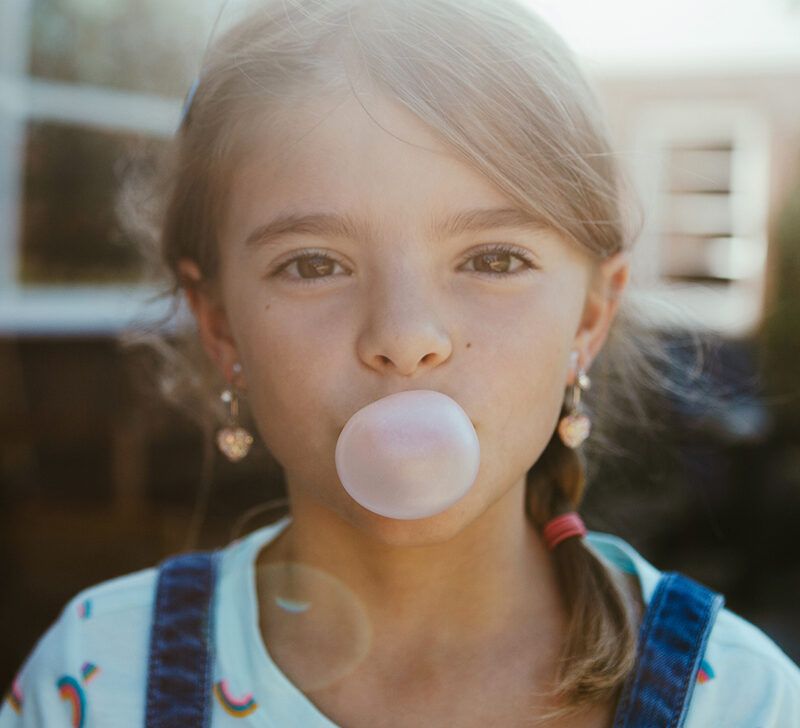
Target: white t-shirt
89 668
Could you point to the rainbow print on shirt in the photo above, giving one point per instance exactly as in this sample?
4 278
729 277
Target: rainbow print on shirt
237 707
89 670
70 690
14 696
705 673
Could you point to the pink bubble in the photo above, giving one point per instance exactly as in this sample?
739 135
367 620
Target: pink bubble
410 455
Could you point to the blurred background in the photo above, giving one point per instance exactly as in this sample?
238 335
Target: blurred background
98 479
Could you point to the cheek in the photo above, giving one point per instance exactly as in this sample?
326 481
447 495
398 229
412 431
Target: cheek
524 361
291 357
527 394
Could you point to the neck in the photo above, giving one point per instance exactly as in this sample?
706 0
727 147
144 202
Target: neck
476 591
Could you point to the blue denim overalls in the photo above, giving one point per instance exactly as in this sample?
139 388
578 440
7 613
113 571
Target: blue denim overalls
672 640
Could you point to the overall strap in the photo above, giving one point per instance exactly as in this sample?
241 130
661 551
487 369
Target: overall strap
672 640
179 669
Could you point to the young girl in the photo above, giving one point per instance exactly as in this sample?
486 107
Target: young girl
370 198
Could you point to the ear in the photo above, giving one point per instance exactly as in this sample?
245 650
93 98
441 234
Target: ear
602 302
212 322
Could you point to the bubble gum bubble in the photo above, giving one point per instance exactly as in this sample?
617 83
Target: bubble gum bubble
409 455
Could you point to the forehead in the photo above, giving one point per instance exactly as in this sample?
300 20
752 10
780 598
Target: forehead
335 155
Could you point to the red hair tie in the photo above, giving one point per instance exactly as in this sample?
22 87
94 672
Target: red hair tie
562 527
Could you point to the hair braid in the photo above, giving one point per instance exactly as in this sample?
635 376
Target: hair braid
599 651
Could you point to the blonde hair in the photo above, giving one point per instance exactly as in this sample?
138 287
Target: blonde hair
505 92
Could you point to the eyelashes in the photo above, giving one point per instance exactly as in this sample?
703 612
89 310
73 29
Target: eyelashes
321 264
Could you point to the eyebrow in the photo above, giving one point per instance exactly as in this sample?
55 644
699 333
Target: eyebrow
346 226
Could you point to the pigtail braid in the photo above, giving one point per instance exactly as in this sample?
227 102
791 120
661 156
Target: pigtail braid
600 648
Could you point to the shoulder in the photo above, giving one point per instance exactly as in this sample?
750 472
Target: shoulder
109 613
92 661
746 679
98 642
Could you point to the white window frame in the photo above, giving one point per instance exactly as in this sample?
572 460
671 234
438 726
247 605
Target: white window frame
737 309
66 309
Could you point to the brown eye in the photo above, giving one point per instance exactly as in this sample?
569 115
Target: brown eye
315 266
498 261
493 262
312 267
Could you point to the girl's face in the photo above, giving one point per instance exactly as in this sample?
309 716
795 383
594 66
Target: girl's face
359 262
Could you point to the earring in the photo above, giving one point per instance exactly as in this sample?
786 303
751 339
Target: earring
575 427
233 440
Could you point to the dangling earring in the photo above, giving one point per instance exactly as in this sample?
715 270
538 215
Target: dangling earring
233 440
574 427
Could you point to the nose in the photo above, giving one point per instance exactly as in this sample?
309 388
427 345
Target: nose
404 332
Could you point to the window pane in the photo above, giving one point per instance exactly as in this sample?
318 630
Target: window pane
140 45
699 170
69 230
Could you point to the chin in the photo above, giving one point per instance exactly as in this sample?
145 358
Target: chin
401 532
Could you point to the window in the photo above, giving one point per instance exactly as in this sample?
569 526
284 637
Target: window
703 174
82 83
